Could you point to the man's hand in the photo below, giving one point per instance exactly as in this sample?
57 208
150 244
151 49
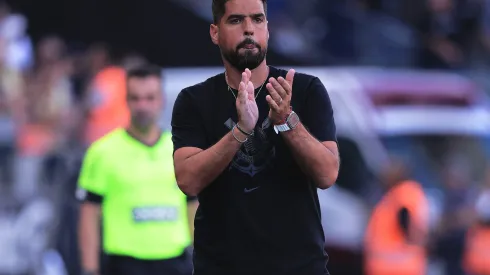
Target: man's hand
279 98
248 112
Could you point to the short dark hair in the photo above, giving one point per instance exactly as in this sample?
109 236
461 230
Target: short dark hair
219 9
143 71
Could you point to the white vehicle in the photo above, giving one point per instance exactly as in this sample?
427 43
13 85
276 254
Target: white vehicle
432 119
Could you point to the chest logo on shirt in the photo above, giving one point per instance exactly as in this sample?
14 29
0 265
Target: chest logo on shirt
155 214
257 152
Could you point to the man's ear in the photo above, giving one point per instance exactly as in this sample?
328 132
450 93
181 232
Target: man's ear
268 30
214 33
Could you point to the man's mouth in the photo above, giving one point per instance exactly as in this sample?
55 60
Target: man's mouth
249 46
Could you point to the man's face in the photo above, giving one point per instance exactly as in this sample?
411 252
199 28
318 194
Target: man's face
242 34
144 101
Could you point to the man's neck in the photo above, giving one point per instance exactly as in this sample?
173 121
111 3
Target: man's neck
149 136
259 75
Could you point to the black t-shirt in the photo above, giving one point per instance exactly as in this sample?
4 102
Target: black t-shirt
261 215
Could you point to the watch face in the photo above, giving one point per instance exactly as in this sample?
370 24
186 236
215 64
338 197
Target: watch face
293 120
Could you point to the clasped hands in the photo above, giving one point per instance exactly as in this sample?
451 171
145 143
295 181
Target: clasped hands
279 100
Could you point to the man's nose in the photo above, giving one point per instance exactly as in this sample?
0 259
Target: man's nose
248 27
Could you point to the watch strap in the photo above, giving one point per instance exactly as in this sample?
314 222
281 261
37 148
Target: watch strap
281 128
284 126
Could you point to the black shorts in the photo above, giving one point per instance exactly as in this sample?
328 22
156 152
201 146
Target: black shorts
123 265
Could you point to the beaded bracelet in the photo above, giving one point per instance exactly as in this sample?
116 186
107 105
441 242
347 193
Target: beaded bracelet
233 133
243 132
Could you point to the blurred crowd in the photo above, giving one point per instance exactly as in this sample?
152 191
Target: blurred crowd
465 210
55 99
423 33
45 105
51 101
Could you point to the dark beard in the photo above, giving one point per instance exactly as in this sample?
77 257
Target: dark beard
142 122
247 60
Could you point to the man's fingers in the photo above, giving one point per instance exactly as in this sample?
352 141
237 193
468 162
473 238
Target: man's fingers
290 77
278 87
272 104
249 73
251 91
242 93
273 93
285 85
245 77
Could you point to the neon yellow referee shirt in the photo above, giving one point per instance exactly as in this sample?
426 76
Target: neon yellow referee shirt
144 213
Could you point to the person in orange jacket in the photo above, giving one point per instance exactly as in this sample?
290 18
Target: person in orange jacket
397 231
107 109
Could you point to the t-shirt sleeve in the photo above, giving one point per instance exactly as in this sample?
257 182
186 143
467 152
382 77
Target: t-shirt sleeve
187 125
318 113
85 196
93 173
191 198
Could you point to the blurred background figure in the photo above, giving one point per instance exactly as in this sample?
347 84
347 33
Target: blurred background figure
87 64
13 29
105 108
476 252
127 179
407 78
457 216
45 115
11 88
396 236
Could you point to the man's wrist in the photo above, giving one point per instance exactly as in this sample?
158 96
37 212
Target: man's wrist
284 119
280 122
243 131
238 135
290 124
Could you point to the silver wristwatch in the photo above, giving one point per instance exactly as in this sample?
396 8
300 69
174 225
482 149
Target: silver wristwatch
291 123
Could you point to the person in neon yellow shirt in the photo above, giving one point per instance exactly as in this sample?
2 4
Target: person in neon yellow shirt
127 177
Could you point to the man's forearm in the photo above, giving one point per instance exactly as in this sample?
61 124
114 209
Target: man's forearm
191 214
197 171
312 156
88 235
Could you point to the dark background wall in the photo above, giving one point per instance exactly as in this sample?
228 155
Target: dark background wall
155 28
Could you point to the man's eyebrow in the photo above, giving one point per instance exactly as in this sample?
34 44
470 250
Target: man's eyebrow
232 16
240 16
260 14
